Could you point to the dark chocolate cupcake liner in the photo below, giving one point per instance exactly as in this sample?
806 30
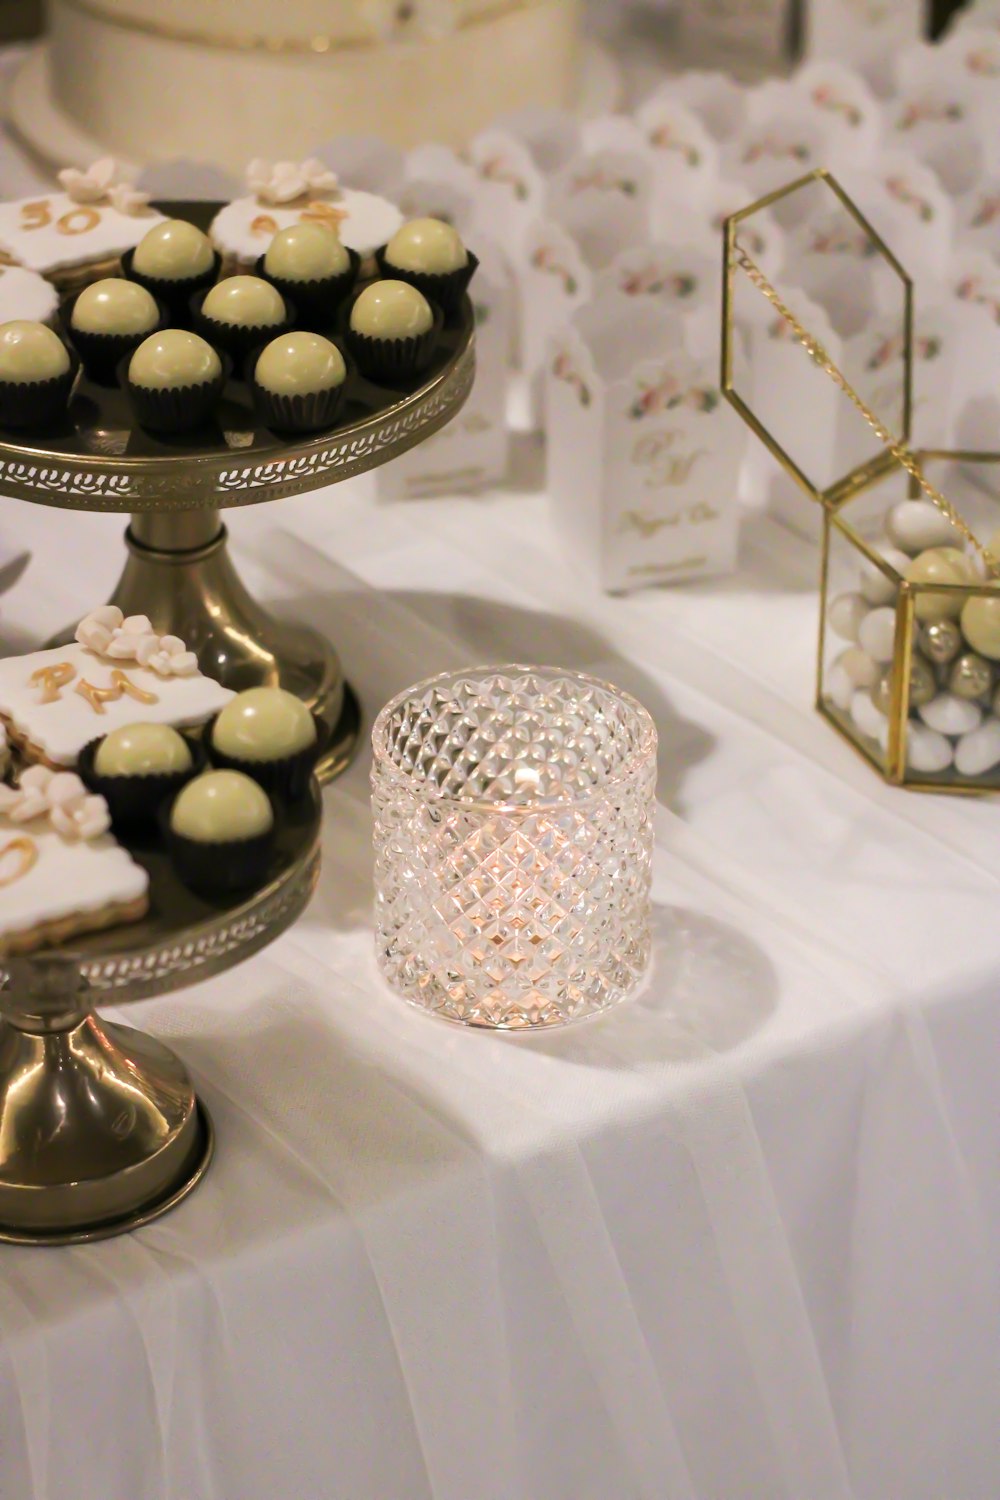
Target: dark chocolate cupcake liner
236 339
312 412
178 409
445 290
27 405
288 779
394 362
134 802
175 295
220 868
316 303
101 353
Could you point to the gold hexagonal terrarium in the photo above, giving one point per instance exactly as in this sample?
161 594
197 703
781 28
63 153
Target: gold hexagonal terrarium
821 364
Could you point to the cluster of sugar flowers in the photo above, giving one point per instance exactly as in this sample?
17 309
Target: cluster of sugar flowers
107 632
279 182
103 182
61 797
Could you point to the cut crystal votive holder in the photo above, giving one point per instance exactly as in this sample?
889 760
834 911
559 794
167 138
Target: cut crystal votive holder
513 811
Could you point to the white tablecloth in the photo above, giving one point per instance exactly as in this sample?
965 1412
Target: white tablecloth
738 1240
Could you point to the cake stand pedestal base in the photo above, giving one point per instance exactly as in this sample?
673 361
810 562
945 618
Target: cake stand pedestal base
180 574
100 1130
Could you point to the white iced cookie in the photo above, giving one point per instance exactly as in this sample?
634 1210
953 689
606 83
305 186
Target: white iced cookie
245 302
306 252
30 352
427 246
25 294
264 724
940 565
115 673
173 251
53 232
297 364
220 807
142 750
114 306
243 229
173 358
391 310
54 885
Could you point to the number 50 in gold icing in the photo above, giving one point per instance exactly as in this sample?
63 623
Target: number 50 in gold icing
38 215
25 851
53 679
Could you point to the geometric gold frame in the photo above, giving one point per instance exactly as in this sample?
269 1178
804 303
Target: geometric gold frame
835 500
883 463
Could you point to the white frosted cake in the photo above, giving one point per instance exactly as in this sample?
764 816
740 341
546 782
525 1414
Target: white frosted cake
224 79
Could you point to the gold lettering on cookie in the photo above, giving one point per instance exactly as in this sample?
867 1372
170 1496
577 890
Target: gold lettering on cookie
52 680
323 213
120 685
24 852
36 215
78 221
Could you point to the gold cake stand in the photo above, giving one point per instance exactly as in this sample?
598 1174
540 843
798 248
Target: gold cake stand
178 570
100 1129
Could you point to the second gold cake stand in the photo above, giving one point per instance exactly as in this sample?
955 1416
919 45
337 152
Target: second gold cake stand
100 1127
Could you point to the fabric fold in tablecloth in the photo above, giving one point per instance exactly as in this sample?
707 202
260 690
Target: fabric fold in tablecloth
736 1240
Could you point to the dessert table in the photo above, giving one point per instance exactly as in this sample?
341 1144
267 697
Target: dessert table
737 1240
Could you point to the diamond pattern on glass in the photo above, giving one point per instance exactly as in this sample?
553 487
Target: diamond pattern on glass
513 844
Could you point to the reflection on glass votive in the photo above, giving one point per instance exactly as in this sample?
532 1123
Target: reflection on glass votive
513 813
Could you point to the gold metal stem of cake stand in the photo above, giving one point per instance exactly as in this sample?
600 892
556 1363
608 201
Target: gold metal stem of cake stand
100 1130
179 573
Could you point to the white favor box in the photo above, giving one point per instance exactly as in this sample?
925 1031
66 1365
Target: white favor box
598 206
643 457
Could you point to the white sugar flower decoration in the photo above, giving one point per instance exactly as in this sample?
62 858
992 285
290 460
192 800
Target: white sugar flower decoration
73 811
128 200
171 658
128 638
107 632
103 182
30 798
96 629
93 185
399 20
284 181
61 795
